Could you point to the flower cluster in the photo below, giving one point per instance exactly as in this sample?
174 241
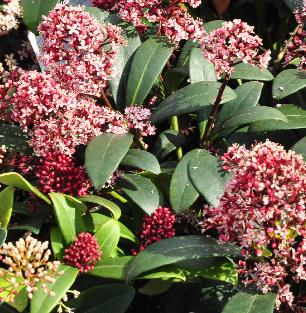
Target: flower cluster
9 14
84 253
173 19
58 173
296 47
159 225
77 49
28 264
263 211
234 40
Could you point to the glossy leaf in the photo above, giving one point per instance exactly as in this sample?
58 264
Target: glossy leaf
141 159
6 205
295 115
248 301
177 249
169 272
182 192
200 69
288 82
111 206
111 268
98 14
141 191
16 180
247 71
112 298
190 99
57 243
3 233
148 62
68 216
31 224
300 147
33 11
155 287
213 25
103 155
123 62
108 237
43 303
294 4
207 176
14 138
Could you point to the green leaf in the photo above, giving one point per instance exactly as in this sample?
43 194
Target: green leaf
68 216
103 155
221 269
14 138
190 99
169 272
32 224
16 180
141 159
112 298
155 287
184 56
248 95
57 243
288 82
20 301
111 206
141 191
295 115
3 234
251 115
248 301
300 147
6 205
33 11
294 4
148 62
182 192
247 71
177 249
98 14
213 25
200 69
123 63
168 141
99 220
43 303
111 268
108 237
207 177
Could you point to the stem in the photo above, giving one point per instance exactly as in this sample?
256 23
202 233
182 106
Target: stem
205 143
117 196
175 126
105 99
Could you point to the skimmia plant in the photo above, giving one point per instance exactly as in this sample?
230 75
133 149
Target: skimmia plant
152 156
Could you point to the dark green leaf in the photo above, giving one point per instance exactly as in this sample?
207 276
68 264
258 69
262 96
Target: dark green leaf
294 4
14 138
182 192
248 301
112 298
111 268
6 205
167 142
99 14
141 191
190 99
155 287
210 26
32 224
207 177
295 115
103 155
111 206
108 237
288 82
249 72
200 69
185 53
33 11
43 303
300 147
123 64
169 272
57 243
3 234
177 249
16 180
148 62
68 216
141 159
